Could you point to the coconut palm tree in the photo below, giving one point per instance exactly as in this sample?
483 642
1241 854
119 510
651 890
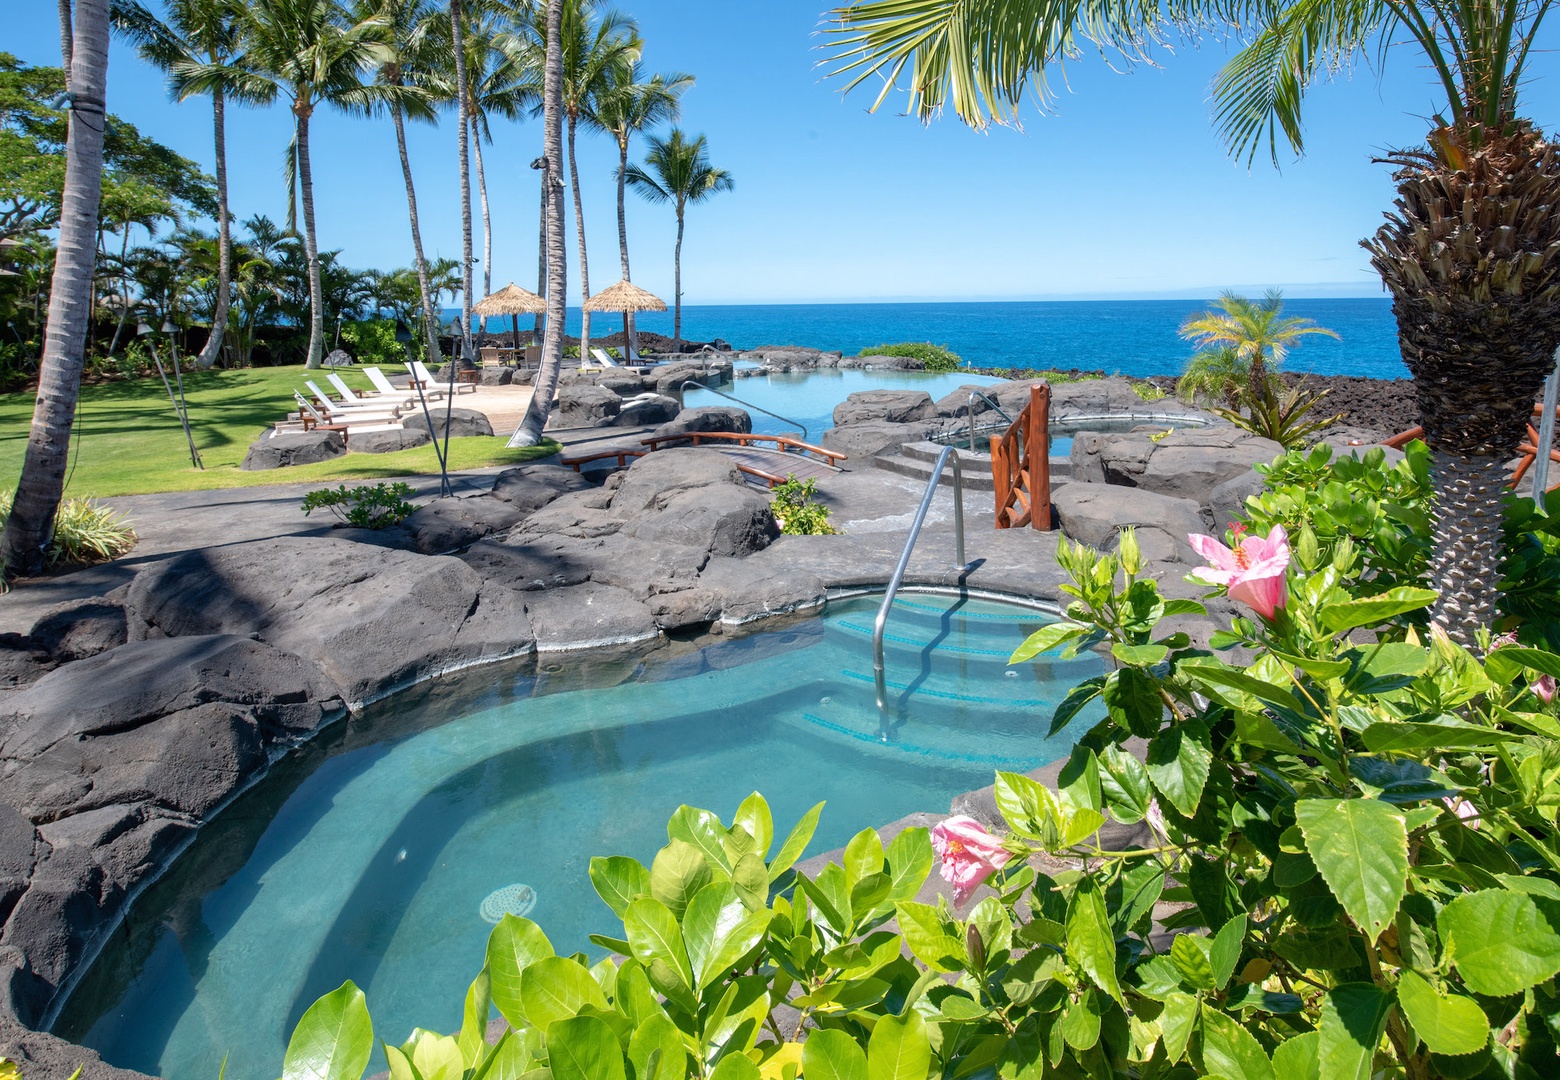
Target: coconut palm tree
529 433
311 53
1256 332
411 63
1470 255
38 492
628 103
679 173
198 36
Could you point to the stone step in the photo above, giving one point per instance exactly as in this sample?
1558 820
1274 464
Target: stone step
1061 465
977 472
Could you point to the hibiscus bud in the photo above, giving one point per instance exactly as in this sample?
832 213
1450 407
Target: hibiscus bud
975 947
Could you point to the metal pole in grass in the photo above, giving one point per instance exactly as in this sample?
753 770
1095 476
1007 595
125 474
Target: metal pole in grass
444 472
178 379
449 402
143 330
1546 436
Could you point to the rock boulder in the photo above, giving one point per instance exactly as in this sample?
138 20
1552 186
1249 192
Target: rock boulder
447 525
389 441
1095 514
463 423
530 487
707 418
582 405
646 409
279 449
889 406
1186 464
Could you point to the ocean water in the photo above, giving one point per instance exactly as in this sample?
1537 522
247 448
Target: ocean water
1128 337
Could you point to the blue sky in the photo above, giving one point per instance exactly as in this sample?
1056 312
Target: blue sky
1124 190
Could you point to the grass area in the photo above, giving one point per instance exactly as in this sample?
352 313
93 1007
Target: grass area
129 441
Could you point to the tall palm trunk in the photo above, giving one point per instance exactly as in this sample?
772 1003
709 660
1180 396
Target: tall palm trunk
579 231
487 220
529 433
1472 259
30 526
65 36
458 33
213 347
630 335
430 319
541 251
311 245
677 285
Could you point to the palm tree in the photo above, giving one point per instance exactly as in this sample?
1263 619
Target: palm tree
628 103
1255 331
412 60
458 37
309 52
199 36
1470 255
42 482
679 173
529 433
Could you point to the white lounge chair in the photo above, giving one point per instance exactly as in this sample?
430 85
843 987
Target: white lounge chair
421 373
347 413
350 399
354 426
388 392
604 358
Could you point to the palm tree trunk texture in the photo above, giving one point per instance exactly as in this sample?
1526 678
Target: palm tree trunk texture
677 285
430 319
213 347
311 244
579 230
30 526
534 422
487 220
65 36
1466 558
540 164
458 33
630 336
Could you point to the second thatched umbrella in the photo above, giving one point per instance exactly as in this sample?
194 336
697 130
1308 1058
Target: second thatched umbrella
625 296
513 301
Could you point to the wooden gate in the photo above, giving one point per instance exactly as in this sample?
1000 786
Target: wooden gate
1021 465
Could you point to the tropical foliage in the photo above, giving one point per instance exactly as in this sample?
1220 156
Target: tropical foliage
797 509
366 506
935 357
85 532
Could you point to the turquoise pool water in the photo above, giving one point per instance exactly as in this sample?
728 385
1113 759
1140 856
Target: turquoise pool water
809 397
370 858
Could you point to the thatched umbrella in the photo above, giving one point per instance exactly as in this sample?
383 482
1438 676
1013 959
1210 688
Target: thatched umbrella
625 296
513 301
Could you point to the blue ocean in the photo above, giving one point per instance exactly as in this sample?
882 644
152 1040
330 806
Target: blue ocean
1128 337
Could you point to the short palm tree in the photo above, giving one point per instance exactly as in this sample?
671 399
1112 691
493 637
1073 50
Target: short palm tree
312 54
1254 333
198 37
628 103
1471 255
677 171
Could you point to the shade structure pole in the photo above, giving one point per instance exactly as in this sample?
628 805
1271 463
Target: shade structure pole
1546 435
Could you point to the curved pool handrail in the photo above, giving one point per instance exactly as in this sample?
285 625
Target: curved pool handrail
989 400
898 576
720 393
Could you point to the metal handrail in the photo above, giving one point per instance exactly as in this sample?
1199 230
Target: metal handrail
904 559
989 400
719 393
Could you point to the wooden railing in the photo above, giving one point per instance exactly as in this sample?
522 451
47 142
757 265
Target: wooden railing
1527 449
1021 465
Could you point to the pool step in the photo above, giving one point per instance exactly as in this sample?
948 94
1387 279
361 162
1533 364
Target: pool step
915 460
1061 464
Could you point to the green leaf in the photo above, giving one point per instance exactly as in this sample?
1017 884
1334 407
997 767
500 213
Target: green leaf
863 856
795 843
1404 738
735 1066
1298 1058
635 996
1125 785
1545 663
1045 639
703 830
583 1048
1028 806
899 1048
1502 942
556 988
1073 703
1224 953
1176 1023
655 937
435 1057
753 815
1090 942
1354 1015
1080 1026
1449 1024
619 881
1230 1050
1139 655
474 1019
926 937
679 871
1179 760
718 930
829 1054
1133 701
656 1050
1133 894
514 944
910 859
1189 953
1360 846
1370 610
333 1039
1184 607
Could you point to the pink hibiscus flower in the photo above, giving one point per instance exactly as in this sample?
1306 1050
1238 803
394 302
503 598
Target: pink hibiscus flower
1252 571
969 854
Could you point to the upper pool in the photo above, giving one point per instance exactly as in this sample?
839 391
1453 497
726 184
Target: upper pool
383 851
809 397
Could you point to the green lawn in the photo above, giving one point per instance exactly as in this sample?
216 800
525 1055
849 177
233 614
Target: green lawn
129 441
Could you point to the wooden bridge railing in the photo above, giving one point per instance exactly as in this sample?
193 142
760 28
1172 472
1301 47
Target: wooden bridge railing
1021 465
1527 450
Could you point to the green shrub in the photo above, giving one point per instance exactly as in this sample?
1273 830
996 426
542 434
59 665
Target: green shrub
367 506
1149 391
797 510
935 357
84 532
372 341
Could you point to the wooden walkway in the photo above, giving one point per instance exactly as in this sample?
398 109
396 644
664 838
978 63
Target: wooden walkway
762 466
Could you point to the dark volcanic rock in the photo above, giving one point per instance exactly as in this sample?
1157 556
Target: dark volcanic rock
589 615
463 423
707 418
531 487
18 856
389 440
648 409
867 439
696 498
1186 464
373 619
582 405
80 628
277 450
446 525
890 406
497 376
958 403
621 381
1095 514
